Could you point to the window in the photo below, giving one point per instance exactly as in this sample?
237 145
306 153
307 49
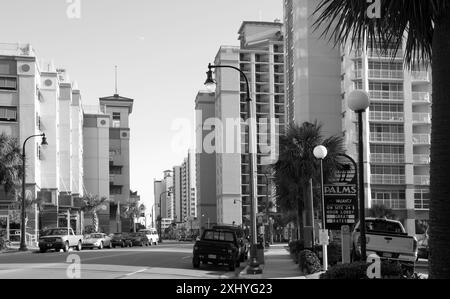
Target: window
393 199
115 169
8 114
422 199
115 190
387 169
8 83
386 107
116 116
383 128
387 149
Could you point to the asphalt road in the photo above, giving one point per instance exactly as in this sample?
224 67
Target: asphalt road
166 261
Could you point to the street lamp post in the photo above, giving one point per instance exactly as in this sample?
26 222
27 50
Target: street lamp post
321 152
210 85
359 101
268 234
160 214
23 245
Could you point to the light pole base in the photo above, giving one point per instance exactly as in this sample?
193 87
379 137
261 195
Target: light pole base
254 267
23 248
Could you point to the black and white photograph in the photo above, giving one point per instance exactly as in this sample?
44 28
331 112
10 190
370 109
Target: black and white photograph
223 146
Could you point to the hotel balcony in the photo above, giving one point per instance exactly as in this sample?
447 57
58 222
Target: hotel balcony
387 95
386 116
385 74
387 158
421 97
421 76
421 118
387 137
379 53
421 139
388 179
422 180
422 159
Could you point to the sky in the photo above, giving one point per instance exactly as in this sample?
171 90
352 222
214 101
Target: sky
162 49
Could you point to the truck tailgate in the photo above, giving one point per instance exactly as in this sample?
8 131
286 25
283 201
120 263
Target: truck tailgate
396 244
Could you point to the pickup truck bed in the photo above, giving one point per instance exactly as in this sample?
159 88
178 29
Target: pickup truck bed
216 252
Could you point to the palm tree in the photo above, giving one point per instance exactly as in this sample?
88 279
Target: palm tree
427 24
10 164
133 210
296 166
91 205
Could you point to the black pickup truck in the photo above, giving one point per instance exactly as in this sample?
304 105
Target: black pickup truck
217 246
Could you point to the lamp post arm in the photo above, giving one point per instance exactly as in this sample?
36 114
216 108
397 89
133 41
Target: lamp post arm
210 66
25 142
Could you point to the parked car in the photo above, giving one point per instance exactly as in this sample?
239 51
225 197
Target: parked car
97 240
139 239
122 240
388 239
152 235
244 244
217 246
60 238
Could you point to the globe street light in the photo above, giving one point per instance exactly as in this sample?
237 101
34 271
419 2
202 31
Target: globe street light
359 101
211 86
321 152
23 245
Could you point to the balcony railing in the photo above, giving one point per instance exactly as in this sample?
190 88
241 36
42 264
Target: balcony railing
387 158
376 52
420 76
388 179
386 116
422 180
422 139
385 74
422 118
387 137
421 159
421 97
387 95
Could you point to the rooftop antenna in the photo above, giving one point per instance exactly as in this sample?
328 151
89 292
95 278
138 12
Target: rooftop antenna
116 79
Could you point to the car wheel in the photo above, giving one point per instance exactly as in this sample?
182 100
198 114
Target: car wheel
66 247
79 246
113 245
42 250
196 262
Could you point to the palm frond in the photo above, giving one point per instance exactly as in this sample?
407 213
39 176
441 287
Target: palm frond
346 21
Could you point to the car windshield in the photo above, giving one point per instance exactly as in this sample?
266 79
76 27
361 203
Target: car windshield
239 232
55 232
383 226
225 236
96 236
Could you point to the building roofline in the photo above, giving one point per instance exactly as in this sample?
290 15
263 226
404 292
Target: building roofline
257 23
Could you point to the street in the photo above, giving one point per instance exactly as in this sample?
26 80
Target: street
170 260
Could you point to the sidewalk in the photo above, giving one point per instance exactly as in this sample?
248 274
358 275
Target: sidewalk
278 265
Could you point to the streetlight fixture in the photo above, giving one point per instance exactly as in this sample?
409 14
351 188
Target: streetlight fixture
23 245
321 152
160 214
211 86
359 101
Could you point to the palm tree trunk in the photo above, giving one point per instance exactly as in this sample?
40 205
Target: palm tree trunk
440 159
299 219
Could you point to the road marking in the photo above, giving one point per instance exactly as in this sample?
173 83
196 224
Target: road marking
137 272
186 257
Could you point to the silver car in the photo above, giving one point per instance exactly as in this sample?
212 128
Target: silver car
97 240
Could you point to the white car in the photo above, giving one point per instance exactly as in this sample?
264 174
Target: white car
152 235
97 240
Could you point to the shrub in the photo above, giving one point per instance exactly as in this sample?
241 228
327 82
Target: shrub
309 262
358 270
295 247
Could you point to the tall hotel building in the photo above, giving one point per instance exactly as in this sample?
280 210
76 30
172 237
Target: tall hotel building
37 98
261 57
397 125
